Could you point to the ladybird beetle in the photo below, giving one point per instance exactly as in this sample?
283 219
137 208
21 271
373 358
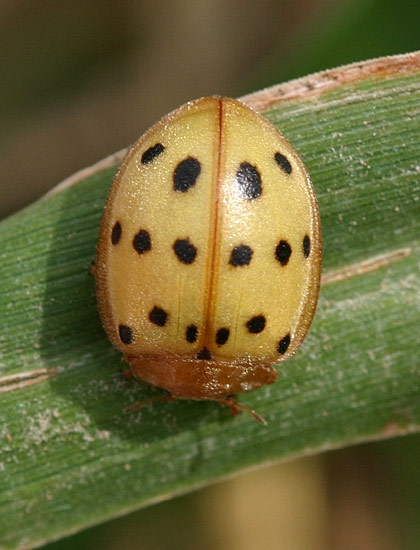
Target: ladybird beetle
209 255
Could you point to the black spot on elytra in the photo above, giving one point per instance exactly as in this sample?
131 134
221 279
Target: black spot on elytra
151 153
186 174
116 233
191 334
204 354
256 324
222 336
249 180
158 316
284 344
185 251
283 162
283 252
142 242
125 334
306 245
241 255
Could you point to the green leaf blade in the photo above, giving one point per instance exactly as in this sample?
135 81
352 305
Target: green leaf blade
71 457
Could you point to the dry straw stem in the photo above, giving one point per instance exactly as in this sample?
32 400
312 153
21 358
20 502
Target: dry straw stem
70 457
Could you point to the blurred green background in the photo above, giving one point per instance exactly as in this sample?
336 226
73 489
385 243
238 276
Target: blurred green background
80 80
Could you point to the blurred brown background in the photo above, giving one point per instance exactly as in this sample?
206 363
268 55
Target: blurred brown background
80 80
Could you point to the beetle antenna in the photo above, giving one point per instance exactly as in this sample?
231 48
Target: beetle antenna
139 404
231 402
236 407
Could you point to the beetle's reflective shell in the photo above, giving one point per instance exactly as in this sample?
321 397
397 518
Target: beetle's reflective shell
209 255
